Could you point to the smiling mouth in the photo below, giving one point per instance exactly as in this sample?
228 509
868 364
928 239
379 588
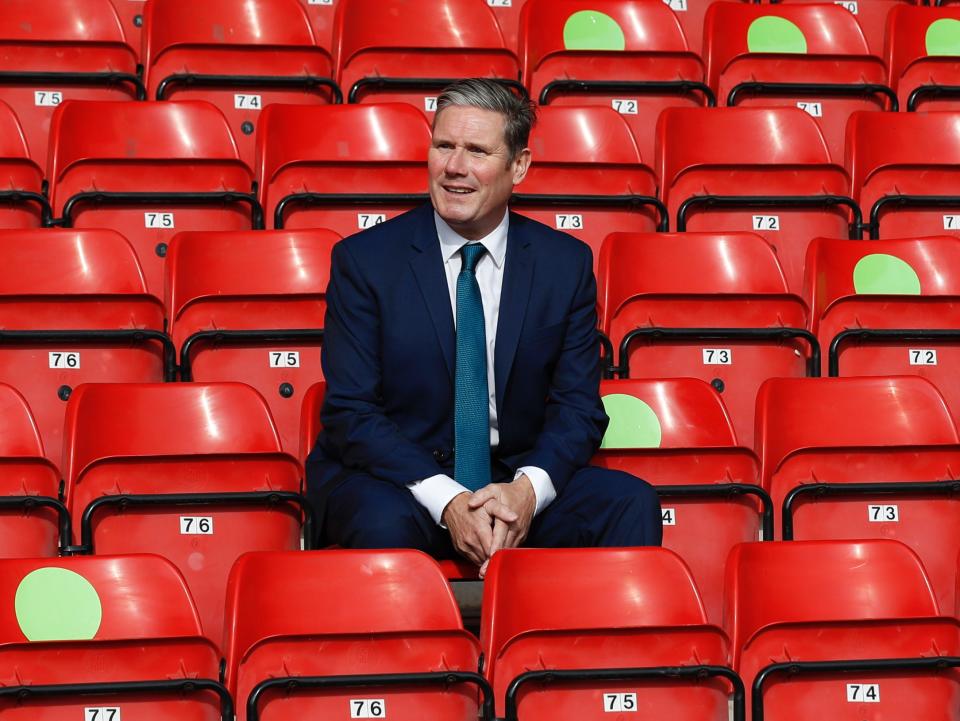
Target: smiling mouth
458 191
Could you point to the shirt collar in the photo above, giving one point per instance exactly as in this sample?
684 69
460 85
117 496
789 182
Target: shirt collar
495 242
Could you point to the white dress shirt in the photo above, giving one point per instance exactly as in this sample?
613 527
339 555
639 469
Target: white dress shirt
435 492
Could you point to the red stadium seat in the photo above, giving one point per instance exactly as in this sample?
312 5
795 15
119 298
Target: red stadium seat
760 169
409 50
708 305
193 471
53 52
22 203
104 638
864 458
369 164
904 171
75 309
580 633
241 61
871 16
840 630
889 308
391 646
630 55
676 435
149 170
33 521
587 177
249 307
809 56
922 57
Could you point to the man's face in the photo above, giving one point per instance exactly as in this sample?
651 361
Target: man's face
471 175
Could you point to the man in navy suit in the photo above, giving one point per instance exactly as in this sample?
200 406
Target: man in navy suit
384 472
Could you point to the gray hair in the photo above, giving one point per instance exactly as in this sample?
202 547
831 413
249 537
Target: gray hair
519 114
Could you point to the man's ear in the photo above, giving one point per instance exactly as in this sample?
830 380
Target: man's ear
520 166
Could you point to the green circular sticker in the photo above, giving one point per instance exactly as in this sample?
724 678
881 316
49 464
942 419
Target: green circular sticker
770 34
54 604
884 274
943 37
592 30
633 423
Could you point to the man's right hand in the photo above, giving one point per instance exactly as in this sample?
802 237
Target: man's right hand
471 529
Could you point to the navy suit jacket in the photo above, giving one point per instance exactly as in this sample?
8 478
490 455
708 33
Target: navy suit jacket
389 345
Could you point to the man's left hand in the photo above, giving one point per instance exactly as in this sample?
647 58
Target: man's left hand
496 498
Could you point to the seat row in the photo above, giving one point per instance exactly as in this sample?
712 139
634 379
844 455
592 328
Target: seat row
151 170
197 472
249 306
838 629
631 55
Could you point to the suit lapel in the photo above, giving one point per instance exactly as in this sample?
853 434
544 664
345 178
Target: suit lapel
427 264
517 280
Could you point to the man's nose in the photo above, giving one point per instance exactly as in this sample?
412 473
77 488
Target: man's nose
456 164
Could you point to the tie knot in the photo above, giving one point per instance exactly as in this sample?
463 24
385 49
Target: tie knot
471 255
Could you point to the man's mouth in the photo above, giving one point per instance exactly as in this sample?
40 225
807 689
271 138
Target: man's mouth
457 191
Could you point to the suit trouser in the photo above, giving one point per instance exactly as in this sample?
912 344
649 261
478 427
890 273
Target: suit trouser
597 507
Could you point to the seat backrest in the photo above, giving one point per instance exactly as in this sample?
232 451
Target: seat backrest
871 16
822 581
847 270
111 421
586 151
904 153
410 39
95 598
848 413
376 150
272 595
733 31
80 36
674 413
255 281
921 50
604 589
268 40
689 139
719 266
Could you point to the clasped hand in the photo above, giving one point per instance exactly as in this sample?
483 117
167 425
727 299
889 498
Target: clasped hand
497 516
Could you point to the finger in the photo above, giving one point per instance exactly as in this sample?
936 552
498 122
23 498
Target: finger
499 511
515 536
480 497
483 540
483 569
500 533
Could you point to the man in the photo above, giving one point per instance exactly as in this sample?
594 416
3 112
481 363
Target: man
462 366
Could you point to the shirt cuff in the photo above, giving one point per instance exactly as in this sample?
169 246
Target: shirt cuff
542 486
434 493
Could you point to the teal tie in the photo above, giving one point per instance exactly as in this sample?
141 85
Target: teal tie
471 467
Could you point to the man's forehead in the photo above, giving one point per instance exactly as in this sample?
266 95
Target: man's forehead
470 120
